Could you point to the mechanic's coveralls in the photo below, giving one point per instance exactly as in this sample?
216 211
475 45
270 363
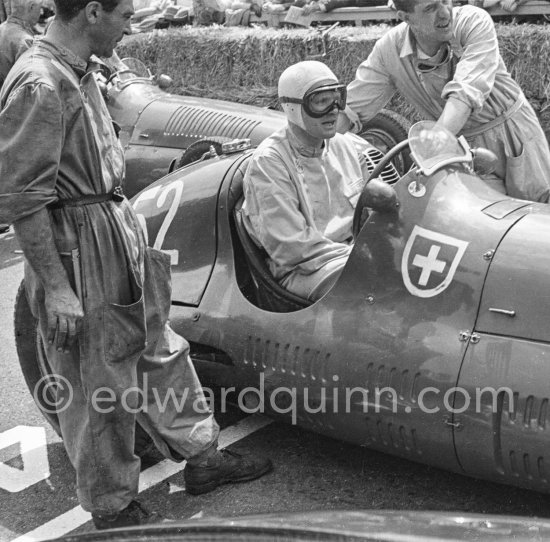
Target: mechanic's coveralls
299 205
57 142
16 36
501 120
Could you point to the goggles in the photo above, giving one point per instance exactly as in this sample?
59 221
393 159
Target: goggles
319 102
424 66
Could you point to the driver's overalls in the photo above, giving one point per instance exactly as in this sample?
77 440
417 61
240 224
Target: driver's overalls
299 205
125 344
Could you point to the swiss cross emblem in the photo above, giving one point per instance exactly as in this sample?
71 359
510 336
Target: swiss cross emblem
430 260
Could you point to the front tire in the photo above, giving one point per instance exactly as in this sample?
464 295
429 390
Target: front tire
385 131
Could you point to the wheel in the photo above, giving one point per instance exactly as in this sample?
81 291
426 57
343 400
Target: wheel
385 131
36 369
196 150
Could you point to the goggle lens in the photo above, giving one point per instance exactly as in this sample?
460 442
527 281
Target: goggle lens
322 101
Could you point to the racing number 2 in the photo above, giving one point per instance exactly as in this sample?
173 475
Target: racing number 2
160 194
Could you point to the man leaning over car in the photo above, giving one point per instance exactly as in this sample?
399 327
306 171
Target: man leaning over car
445 61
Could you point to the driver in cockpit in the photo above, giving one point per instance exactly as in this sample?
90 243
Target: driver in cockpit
303 182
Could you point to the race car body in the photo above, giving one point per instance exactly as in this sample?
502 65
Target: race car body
433 344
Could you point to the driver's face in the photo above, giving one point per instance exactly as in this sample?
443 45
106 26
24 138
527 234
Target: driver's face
321 128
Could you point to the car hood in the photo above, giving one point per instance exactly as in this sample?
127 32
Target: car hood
178 121
368 525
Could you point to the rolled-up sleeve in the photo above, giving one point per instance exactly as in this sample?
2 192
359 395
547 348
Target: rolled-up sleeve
476 70
273 217
372 87
30 147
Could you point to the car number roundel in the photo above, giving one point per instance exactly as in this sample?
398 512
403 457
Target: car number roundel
429 262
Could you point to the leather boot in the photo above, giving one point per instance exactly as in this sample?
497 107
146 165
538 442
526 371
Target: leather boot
133 514
219 467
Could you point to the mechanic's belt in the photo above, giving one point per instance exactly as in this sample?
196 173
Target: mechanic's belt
501 119
114 195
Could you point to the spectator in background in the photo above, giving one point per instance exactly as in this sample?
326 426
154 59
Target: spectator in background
16 36
325 6
17 33
5 9
506 5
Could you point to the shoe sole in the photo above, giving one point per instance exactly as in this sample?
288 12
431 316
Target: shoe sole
210 486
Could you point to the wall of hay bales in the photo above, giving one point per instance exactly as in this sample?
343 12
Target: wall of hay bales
243 64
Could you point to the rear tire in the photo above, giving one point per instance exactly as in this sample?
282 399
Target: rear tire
35 368
385 131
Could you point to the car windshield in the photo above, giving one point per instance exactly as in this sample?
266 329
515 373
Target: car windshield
126 68
433 147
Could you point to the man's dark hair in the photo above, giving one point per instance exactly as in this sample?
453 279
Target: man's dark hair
68 9
404 5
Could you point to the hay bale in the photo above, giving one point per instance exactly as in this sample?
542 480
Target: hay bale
244 64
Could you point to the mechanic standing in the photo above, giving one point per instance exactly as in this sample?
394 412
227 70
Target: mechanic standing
446 62
101 296
303 182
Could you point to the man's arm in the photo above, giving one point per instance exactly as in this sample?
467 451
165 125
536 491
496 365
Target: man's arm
373 86
31 139
454 116
476 70
63 308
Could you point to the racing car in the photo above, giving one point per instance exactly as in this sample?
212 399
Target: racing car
432 345
161 131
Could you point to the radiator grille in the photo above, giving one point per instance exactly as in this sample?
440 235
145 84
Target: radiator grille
389 173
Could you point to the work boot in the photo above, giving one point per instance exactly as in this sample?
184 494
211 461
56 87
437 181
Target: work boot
222 467
133 514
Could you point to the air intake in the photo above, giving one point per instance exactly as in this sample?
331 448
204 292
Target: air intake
191 121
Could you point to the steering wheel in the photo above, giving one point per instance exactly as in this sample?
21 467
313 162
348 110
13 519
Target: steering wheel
361 212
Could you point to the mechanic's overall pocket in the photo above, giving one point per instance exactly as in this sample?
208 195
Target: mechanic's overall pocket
125 330
518 175
523 173
157 290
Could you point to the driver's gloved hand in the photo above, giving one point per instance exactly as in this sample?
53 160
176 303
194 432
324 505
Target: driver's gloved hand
381 196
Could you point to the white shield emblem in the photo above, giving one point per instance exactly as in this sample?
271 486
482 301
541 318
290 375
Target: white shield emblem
430 260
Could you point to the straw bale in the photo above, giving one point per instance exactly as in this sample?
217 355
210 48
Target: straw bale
244 64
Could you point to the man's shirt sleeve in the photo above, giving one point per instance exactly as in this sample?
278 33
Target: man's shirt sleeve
373 86
476 70
31 137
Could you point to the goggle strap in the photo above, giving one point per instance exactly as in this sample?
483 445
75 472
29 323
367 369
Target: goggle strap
287 100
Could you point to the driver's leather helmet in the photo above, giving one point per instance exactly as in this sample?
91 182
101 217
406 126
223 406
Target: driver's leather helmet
297 80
